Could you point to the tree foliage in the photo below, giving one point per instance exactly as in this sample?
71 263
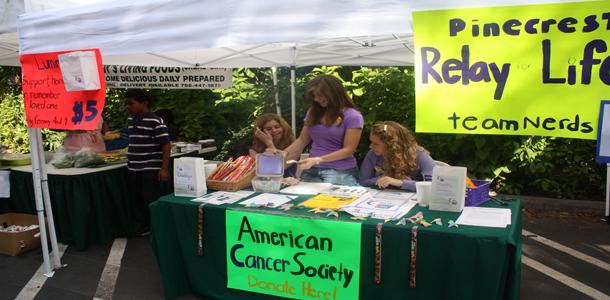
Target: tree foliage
543 166
13 127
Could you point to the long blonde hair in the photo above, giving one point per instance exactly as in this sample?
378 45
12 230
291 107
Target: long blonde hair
285 140
400 158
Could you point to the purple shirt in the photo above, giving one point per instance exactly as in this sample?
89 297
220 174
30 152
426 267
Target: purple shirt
372 166
328 139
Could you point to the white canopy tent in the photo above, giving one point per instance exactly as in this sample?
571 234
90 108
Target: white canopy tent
9 56
237 33
9 10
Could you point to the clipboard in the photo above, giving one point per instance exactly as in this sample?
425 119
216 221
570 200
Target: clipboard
603 133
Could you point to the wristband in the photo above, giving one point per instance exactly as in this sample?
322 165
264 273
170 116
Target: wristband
318 160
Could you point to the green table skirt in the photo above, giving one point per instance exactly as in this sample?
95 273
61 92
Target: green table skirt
88 209
452 263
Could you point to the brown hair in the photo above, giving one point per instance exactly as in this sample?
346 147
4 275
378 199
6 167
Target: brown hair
333 90
287 136
400 159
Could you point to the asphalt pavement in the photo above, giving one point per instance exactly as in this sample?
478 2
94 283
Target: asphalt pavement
566 255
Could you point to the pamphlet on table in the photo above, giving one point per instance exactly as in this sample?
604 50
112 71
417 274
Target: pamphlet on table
485 216
220 197
324 201
269 200
385 204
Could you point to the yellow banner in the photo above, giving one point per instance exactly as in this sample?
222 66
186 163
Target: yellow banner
518 70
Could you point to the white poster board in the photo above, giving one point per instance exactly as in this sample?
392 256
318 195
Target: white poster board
603 133
603 147
167 77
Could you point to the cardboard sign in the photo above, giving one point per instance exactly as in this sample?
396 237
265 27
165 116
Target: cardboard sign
167 77
47 102
296 258
515 70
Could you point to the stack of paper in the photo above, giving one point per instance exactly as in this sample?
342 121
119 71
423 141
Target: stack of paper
268 200
307 188
346 191
220 197
485 216
382 205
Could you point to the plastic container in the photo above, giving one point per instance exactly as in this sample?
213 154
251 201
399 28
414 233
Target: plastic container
478 195
269 165
269 173
424 192
267 184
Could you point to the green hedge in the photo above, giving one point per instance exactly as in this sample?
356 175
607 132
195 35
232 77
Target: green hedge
542 166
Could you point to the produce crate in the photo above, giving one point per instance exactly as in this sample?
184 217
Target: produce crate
478 195
231 186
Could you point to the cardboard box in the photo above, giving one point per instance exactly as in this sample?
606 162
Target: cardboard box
15 243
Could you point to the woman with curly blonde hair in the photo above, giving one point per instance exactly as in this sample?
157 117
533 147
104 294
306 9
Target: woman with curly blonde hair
395 158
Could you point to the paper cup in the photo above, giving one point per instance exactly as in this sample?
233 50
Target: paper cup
423 189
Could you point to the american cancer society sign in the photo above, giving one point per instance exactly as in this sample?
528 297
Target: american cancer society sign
519 70
297 258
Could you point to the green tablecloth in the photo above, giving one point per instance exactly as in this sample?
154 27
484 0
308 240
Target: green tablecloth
452 263
88 209
91 208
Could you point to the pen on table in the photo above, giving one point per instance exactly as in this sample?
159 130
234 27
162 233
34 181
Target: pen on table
497 201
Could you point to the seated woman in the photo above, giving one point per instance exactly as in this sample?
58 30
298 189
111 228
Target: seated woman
272 132
395 158
75 140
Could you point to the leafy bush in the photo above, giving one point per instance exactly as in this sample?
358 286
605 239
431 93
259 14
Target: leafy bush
10 81
13 127
543 166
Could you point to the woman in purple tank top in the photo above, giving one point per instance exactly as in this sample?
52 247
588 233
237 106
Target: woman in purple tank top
333 126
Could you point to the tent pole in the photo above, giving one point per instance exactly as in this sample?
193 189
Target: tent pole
276 90
293 99
56 262
608 193
38 196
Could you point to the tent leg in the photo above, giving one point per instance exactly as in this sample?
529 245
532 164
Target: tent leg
38 196
293 99
276 91
607 193
55 259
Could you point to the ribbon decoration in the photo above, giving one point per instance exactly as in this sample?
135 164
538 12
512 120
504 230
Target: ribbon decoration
200 230
378 253
413 267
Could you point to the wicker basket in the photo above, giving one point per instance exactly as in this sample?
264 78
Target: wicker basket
231 186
